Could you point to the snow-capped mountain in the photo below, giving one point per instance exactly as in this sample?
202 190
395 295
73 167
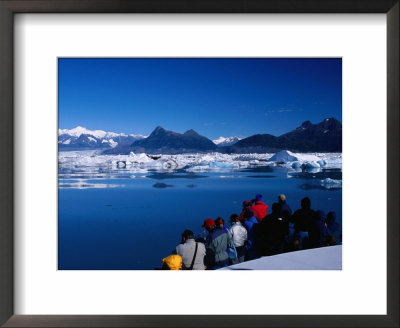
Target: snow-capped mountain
221 141
81 137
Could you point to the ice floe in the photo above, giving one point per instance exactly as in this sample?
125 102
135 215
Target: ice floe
329 183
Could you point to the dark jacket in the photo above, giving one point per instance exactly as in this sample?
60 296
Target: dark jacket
303 219
274 228
254 242
216 244
286 211
318 231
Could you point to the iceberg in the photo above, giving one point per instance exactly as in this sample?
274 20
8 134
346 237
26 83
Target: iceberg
284 156
287 156
329 183
296 165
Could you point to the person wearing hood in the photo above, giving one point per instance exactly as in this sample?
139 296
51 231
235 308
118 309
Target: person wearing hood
260 209
239 237
318 231
217 242
172 262
333 229
274 228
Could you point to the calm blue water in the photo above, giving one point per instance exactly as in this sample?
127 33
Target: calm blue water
132 223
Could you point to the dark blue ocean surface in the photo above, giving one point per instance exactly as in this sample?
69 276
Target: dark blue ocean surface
125 222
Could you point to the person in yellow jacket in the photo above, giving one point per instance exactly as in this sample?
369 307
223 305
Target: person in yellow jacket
172 262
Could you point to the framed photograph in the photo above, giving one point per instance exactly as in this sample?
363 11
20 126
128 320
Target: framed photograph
134 131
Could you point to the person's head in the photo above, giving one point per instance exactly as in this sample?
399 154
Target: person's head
219 222
208 224
331 217
172 262
187 234
281 198
306 203
258 197
235 218
276 208
248 214
246 203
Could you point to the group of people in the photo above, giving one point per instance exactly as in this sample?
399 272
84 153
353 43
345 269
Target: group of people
255 233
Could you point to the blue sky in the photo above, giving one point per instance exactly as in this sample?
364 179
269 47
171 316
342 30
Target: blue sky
215 97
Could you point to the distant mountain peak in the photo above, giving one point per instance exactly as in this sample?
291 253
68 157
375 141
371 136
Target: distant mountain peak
222 141
191 132
157 131
306 125
162 141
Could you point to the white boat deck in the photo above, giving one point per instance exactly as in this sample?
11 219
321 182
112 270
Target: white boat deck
324 258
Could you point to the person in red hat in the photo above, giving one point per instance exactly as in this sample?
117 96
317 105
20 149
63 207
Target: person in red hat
260 209
208 224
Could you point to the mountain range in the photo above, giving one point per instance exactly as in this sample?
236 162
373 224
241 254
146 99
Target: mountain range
82 138
325 136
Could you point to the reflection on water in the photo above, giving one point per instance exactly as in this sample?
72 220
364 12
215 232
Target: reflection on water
85 185
258 169
162 185
310 186
163 176
324 174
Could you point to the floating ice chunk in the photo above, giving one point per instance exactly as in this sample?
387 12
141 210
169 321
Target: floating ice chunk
283 156
296 165
311 165
321 162
329 183
222 165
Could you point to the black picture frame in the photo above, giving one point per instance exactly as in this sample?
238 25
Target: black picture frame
10 7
